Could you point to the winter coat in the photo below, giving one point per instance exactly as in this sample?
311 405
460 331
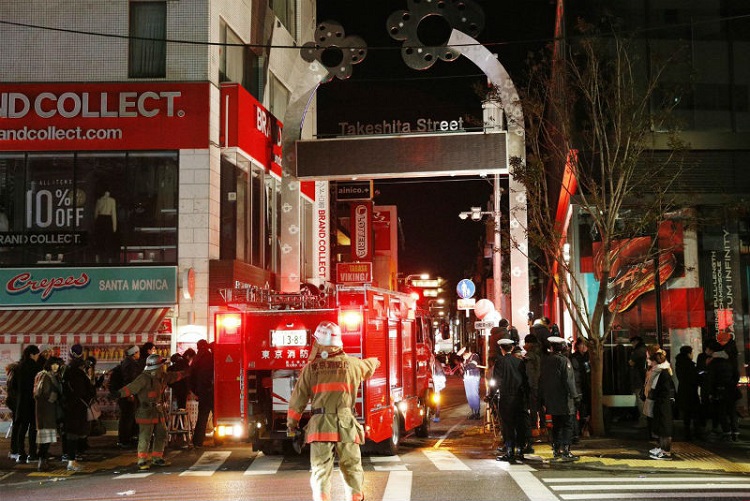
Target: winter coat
149 388
722 377
181 388
661 391
49 402
130 369
331 384
557 386
24 387
78 392
509 374
687 391
202 375
637 370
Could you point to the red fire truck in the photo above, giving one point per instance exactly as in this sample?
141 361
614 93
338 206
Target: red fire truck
259 353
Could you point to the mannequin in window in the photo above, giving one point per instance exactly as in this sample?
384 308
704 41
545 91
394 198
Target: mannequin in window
105 228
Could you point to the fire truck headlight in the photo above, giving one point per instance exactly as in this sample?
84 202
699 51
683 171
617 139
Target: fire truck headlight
436 398
402 406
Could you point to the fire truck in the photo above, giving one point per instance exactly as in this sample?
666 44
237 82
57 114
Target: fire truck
259 353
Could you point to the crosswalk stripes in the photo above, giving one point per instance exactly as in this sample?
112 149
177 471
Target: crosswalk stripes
207 464
445 460
264 465
650 487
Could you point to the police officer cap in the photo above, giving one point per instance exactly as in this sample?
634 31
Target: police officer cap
555 339
504 342
131 351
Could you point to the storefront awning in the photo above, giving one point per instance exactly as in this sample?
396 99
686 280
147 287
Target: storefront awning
81 321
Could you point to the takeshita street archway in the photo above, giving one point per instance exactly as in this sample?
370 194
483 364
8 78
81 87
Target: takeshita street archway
418 155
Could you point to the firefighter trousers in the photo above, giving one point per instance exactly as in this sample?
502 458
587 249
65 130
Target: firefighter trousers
350 464
159 431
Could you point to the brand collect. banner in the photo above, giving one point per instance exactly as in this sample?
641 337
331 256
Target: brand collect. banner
104 116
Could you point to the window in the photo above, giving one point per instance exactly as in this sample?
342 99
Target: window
286 12
147 56
279 96
88 208
238 63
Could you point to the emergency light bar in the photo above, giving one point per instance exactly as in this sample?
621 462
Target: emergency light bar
350 320
228 323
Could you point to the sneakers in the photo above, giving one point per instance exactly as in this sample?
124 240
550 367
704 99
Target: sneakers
13 456
159 462
662 455
74 466
144 465
655 450
21 459
32 459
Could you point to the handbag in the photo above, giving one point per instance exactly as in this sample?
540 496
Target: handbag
93 411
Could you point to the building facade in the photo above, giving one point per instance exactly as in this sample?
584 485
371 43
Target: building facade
140 167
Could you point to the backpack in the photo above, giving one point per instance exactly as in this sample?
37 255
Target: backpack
116 379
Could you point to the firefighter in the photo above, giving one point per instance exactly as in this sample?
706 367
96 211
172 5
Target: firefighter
330 380
149 387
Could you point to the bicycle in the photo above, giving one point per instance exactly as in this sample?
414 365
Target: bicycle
492 417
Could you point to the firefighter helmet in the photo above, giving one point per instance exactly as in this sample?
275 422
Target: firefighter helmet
328 334
154 362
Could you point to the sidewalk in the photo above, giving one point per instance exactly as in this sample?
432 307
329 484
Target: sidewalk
624 447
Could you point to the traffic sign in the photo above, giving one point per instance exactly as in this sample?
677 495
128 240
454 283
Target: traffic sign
481 325
466 288
465 304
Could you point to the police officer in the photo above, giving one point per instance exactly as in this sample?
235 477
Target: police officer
149 387
330 380
559 396
510 380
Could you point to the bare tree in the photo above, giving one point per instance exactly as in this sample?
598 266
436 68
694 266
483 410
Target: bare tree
593 106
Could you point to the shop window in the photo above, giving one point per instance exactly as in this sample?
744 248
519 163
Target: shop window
147 49
88 208
243 214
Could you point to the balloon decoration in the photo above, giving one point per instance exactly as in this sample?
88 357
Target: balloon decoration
482 308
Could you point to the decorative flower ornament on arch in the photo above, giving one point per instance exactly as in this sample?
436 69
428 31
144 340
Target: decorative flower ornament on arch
404 25
334 50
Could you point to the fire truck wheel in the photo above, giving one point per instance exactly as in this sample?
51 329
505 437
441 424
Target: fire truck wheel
390 447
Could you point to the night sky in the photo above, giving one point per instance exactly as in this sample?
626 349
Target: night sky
383 87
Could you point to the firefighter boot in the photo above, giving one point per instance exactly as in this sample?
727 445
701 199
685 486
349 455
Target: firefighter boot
567 455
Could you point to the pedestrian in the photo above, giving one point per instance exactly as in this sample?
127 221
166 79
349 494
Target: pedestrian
532 363
496 334
582 371
123 374
78 392
510 380
181 388
48 395
150 414
24 413
558 393
706 410
330 382
439 382
11 400
688 401
662 391
722 388
202 386
637 364
472 375
540 329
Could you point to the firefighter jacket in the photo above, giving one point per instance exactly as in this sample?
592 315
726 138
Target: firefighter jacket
149 387
331 384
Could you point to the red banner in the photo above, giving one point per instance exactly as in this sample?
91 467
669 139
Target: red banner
104 116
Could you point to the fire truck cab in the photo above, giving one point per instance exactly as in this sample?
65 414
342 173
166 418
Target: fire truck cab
259 353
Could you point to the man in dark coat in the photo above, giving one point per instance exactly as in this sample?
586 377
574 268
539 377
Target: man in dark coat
202 385
127 428
637 372
688 401
24 416
510 380
722 389
558 391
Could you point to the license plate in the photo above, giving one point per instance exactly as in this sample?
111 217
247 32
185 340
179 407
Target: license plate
289 337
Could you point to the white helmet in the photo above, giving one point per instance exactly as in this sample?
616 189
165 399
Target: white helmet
328 334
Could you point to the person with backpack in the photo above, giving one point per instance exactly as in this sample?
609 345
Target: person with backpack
25 416
122 375
48 396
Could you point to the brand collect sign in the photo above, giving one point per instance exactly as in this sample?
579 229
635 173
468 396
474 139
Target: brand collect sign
153 285
99 116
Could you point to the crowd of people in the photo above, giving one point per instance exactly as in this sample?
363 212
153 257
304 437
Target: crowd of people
52 401
549 379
